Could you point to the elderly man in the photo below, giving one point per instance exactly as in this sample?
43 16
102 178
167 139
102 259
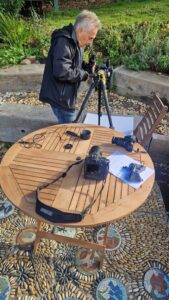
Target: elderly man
63 72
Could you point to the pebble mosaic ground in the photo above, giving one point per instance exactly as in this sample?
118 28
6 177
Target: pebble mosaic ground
136 263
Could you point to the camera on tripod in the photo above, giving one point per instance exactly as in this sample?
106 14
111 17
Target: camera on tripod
126 142
95 166
103 71
102 76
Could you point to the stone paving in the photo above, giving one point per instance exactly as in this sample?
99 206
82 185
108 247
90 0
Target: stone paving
136 263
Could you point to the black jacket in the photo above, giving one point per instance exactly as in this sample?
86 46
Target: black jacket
62 73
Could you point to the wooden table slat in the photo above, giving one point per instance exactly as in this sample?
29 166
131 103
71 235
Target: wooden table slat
65 193
95 206
53 138
118 190
77 192
82 198
90 193
27 170
111 191
104 193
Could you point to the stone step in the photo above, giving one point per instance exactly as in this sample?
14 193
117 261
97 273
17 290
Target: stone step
126 82
140 84
21 78
17 120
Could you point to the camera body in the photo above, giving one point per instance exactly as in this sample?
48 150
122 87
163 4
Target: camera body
126 142
103 71
107 69
133 172
89 66
96 167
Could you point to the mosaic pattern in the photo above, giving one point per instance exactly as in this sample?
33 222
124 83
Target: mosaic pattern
87 261
110 288
26 237
6 209
65 231
4 288
113 240
136 264
70 299
156 283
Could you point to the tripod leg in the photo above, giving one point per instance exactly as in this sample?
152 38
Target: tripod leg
99 104
85 101
107 105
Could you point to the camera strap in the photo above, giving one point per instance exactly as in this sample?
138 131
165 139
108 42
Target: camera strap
58 216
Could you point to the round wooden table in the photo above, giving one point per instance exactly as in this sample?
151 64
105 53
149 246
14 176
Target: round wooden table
41 156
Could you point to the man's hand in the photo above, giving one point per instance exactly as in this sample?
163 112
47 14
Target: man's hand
89 67
90 79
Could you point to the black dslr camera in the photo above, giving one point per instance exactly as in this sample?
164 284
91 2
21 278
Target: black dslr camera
95 166
126 142
88 66
104 71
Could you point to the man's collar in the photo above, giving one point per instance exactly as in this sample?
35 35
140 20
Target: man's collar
74 37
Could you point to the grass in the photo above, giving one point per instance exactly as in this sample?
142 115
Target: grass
123 12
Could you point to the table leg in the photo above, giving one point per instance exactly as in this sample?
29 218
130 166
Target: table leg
38 235
104 243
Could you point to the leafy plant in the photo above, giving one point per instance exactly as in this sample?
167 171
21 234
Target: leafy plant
136 62
147 55
163 63
14 32
11 56
108 43
11 6
139 46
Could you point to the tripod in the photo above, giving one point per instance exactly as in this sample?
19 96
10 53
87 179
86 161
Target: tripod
99 83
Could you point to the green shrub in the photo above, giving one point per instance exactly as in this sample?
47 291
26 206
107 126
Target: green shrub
11 6
15 55
11 56
139 47
20 39
146 55
163 63
108 43
13 31
40 36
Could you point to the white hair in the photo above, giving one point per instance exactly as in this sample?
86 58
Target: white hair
87 20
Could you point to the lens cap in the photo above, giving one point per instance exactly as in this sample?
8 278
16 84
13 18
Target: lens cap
85 134
68 146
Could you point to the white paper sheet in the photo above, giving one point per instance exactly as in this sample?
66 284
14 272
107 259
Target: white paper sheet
123 124
118 160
